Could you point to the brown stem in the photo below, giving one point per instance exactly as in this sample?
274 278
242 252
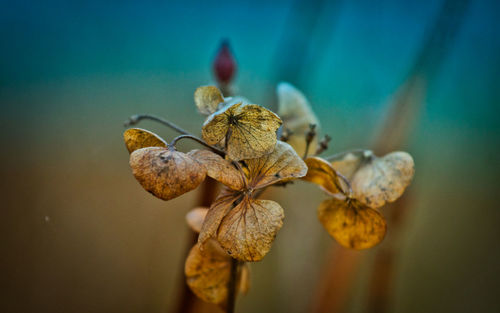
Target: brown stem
233 278
187 301
311 133
198 140
135 119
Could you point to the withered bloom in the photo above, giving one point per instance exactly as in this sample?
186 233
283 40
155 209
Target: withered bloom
350 216
244 226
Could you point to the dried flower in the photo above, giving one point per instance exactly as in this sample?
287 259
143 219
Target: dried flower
245 227
350 216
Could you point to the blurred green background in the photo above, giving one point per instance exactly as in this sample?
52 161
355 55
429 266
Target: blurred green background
78 232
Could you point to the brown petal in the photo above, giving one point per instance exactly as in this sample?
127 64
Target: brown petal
297 115
351 223
195 218
220 169
166 174
383 180
136 138
323 174
282 164
208 271
207 99
248 230
219 208
249 130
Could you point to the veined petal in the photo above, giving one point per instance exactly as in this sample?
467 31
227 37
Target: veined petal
248 230
351 223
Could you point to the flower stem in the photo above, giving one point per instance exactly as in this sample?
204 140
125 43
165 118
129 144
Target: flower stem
198 140
231 297
135 119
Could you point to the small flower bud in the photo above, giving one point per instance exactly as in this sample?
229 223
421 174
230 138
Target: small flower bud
224 65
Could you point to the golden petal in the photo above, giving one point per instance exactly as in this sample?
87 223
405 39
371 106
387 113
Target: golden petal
323 174
248 230
137 138
220 169
166 173
208 271
207 99
297 115
249 130
282 164
219 208
351 223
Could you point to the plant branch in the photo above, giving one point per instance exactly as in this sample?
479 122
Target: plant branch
135 119
198 140
233 279
311 133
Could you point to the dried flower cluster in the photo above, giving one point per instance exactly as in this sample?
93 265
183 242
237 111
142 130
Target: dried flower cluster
244 154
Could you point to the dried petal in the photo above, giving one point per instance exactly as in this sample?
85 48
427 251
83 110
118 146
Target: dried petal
282 164
219 208
376 181
349 162
323 174
137 138
207 99
166 173
208 271
195 218
249 229
297 115
351 223
220 169
249 130
383 180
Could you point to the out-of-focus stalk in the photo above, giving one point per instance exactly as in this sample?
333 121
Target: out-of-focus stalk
394 131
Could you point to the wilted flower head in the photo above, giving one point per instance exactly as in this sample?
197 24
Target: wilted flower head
350 216
244 226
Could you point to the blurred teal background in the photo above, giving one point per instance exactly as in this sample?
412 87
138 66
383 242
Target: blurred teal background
80 235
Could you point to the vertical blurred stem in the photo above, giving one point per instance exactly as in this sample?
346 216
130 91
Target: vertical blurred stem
231 297
187 301
401 116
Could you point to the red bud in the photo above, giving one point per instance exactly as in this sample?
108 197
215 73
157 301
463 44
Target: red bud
224 64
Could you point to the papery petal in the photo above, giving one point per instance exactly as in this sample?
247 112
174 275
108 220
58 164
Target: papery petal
220 169
282 164
165 173
137 138
248 230
351 223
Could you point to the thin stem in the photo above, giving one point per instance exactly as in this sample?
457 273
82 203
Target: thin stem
346 181
134 119
339 155
231 297
198 140
309 138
